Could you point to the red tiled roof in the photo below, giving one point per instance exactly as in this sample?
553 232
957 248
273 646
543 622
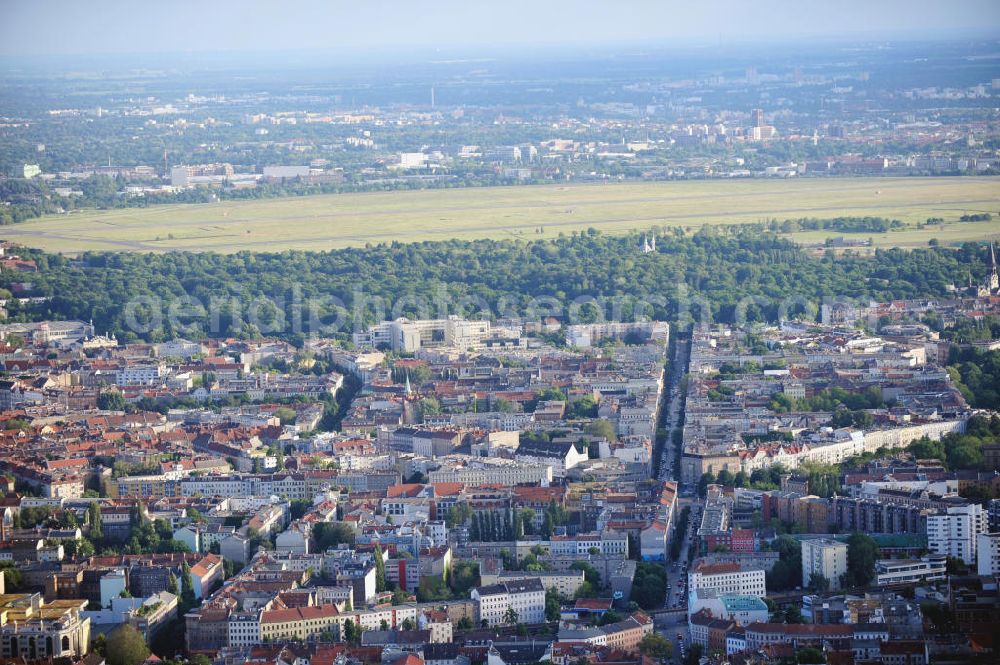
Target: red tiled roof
300 614
404 490
716 568
409 659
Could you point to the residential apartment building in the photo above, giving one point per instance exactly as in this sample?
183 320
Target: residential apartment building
606 542
141 375
526 597
988 554
709 631
824 557
727 578
566 583
244 628
299 623
653 541
834 636
492 471
953 532
628 633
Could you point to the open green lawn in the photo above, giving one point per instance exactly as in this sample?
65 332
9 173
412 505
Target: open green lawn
326 222
951 232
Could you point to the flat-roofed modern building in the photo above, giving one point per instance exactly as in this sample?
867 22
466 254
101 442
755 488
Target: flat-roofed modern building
953 531
988 554
824 557
910 571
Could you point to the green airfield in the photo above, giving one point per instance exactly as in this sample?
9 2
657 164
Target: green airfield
530 212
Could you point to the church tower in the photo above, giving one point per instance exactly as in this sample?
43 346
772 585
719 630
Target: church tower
990 285
993 279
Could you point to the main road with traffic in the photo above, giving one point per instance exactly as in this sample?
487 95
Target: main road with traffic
672 620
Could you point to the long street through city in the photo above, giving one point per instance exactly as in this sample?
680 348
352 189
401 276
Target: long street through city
672 623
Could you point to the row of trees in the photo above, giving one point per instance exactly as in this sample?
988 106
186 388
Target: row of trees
862 552
762 479
502 526
843 224
490 526
829 399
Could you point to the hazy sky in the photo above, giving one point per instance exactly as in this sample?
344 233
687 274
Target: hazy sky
36 27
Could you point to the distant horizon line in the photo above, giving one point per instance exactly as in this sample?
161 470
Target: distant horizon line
456 53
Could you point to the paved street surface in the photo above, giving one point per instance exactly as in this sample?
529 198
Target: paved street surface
673 626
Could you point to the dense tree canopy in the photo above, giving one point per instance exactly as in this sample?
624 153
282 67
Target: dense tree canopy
977 375
655 645
862 552
960 451
111 400
126 646
649 586
331 534
787 571
717 266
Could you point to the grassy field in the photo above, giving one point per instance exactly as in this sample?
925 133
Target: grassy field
326 222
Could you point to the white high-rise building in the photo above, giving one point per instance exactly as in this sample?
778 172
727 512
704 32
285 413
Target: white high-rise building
953 533
825 557
988 554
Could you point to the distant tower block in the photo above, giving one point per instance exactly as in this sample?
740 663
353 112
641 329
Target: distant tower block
432 96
